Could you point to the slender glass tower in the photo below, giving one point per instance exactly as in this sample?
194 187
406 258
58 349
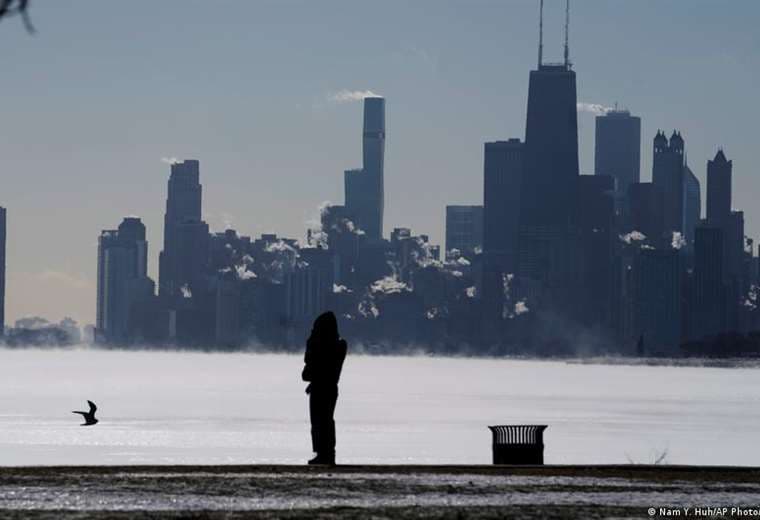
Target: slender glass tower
365 188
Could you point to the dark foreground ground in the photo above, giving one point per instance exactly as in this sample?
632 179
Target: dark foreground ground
377 492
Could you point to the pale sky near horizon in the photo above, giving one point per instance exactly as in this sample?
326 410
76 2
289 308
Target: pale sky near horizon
107 88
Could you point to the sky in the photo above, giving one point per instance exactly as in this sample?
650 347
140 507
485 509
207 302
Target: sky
106 91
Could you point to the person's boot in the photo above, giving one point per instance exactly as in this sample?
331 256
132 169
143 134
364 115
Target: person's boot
323 459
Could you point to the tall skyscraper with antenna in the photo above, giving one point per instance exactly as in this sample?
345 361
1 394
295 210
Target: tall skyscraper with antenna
548 197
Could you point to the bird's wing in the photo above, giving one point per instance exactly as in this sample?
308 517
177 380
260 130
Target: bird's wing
92 406
81 413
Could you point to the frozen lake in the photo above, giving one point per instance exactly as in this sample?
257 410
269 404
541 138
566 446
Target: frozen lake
195 408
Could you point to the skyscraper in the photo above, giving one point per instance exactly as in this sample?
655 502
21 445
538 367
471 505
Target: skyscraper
719 190
668 179
617 151
183 207
708 313
122 278
646 211
502 182
308 286
692 205
733 237
731 225
551 148
503 167
657 302
364 189
596 223
3 230
464 229
548 198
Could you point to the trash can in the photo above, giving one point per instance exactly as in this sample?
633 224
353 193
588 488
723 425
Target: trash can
518 444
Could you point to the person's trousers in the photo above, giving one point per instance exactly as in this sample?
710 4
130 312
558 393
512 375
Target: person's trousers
322 409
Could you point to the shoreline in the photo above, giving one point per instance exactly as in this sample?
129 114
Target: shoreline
643 471
382 491
602 360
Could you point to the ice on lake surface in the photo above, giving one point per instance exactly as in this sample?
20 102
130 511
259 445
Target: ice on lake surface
197 408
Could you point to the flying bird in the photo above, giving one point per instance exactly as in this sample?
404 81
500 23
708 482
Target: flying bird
89 417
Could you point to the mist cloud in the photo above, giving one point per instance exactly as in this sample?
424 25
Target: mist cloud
593 108
389 285
633 236
349 96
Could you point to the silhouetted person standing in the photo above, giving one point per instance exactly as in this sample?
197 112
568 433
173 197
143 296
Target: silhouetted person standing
325 352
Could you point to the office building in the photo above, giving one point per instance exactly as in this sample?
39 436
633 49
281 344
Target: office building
502 182
708 306
668 179
657 303
617 150
183 208
692 205
464 229
123 282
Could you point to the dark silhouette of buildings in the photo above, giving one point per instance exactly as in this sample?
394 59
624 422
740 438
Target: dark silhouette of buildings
657 304
668 179
182 225
308 288
552 262
502 182
464 229
598 238
646 210
365 188
720 215
708 310
548 234
123 283
719 190
617 151
692 205
736 279
3 231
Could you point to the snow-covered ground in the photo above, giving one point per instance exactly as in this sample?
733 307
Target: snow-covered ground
188 408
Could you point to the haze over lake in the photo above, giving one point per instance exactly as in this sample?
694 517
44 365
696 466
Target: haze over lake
197 408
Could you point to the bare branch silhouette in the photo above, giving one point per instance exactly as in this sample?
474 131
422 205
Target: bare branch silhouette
11 7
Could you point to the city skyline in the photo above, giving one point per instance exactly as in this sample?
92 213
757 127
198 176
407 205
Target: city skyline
247 209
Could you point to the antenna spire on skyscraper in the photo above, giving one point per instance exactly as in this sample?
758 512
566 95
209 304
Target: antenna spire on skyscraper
567 30
540 33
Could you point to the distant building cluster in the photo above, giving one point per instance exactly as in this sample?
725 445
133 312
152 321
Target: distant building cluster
552 261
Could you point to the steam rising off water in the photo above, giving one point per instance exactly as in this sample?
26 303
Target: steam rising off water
188 408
